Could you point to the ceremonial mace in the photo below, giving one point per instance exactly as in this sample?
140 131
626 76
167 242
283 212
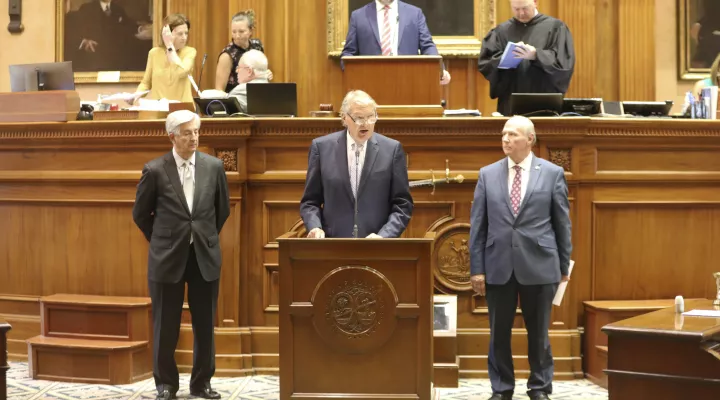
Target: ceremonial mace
432 181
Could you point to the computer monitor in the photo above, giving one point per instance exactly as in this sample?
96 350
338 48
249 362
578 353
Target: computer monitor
45 76
584 107
272 99
536 104
648 108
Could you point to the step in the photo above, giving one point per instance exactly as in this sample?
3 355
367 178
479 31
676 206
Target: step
107 362
446 375
93 317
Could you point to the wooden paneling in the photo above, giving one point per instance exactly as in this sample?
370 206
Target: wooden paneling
643 206
636 49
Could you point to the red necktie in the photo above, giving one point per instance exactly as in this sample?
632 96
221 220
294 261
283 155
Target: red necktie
386 33
515 192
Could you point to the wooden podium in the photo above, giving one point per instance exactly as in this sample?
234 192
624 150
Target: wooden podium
47 106
356 318
402 86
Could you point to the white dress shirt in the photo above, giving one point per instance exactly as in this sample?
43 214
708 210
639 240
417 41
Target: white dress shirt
524 177
351 157
394 24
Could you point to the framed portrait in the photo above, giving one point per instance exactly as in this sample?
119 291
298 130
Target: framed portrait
698 37
457 30
107 40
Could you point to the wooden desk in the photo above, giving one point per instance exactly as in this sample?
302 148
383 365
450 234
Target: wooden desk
663 355
4 367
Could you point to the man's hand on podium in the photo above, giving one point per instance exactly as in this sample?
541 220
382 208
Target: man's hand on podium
316 233
373 236
445 78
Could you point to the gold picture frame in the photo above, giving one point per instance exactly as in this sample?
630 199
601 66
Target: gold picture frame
693 61
338 16
105 76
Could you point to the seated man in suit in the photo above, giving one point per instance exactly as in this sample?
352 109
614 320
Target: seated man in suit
357 180
390 27
252 68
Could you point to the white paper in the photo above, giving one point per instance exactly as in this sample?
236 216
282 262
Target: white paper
462 111
108 76
563 285
194 85
123 97
703 313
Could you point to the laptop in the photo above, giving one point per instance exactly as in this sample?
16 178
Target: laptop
536 104
272 99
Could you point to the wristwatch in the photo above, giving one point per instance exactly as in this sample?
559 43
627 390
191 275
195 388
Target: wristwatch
170 49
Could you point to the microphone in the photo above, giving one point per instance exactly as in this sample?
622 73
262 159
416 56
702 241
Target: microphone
357 184
201 69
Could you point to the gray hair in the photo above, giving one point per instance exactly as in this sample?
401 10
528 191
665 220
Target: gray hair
256 60
247 15
177 118
357 97
528 127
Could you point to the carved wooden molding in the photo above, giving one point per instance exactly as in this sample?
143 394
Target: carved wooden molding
229 159
561 157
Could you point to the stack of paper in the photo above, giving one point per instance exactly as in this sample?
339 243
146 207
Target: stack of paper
563 285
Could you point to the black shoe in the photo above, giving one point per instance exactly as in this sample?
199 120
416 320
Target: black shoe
501 396
206 393
539 396
165 395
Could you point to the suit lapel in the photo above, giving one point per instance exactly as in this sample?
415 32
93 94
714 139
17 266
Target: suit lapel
171 169
200 173
504 184
401 23
341 154
371 153
534 173
371 14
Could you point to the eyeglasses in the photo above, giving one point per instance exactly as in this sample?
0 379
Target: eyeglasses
364 121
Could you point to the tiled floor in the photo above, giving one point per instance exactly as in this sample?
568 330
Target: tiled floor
261 387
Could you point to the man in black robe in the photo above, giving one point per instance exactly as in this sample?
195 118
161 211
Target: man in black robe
547 52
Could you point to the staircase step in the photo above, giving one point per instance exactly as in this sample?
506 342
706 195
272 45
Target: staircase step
109 362
96 317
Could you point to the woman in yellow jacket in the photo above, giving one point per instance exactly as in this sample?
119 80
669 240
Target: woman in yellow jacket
168 66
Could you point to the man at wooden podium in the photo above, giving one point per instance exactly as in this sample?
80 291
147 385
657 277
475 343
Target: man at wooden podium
181 205
390 28
357 180
520 244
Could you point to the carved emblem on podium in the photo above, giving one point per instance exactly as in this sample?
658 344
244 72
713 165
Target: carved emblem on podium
354 309
451 257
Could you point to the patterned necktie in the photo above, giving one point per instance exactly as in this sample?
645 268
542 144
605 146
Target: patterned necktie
188 184
516 187
355 167
386 33
107 10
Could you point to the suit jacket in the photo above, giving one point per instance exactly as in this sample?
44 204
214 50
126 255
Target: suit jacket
536 244
162 214
384 201
363 37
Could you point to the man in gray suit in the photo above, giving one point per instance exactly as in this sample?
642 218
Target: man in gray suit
520 244
181 205
357 180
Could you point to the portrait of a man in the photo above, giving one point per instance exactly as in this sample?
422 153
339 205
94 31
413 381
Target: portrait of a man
106 35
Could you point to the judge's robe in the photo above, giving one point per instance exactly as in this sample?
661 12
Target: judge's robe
550 72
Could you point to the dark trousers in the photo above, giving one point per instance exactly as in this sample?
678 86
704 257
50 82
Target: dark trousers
536 305
167 302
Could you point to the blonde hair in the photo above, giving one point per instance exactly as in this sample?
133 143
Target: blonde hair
359 98
247 15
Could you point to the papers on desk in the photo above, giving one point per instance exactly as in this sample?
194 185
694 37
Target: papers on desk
508 59
703 313
462 113
124 97
563 285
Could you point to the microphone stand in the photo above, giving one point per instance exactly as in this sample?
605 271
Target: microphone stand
357 184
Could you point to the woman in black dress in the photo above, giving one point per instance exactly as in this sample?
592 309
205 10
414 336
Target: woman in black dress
242 27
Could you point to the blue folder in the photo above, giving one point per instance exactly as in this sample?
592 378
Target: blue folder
508 59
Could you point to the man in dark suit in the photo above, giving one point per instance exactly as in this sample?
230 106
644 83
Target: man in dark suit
390 27
520 244
356 171
181 205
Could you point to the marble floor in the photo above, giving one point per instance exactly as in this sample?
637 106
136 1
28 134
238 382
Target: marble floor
261 387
